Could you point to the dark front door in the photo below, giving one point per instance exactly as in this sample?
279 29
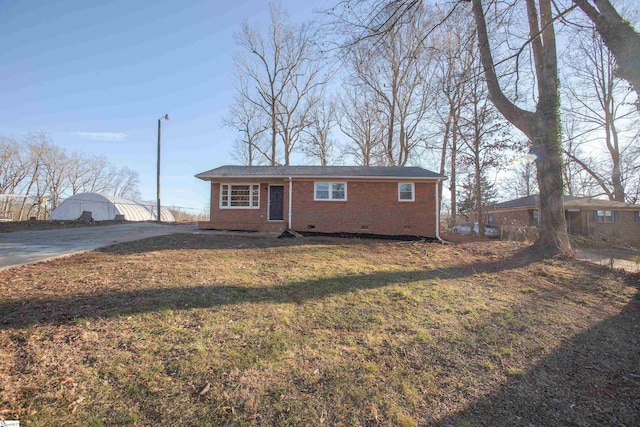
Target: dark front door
276 202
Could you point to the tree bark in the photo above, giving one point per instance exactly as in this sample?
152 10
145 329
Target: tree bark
619 36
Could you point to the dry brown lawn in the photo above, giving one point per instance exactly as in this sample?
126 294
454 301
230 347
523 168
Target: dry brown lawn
233 330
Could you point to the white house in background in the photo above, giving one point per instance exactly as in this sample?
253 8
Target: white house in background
105 208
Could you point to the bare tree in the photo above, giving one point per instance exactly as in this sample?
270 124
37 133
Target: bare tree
55 164
521 182
318 143
124 183
397 69
37 145
599 104
484 137
14 169
87 174
454 68
283 73
360 120
618 34
248 120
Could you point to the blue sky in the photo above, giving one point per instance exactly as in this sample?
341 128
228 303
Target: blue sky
96 76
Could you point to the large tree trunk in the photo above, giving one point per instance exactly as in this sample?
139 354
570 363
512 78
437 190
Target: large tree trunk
547 148
542 127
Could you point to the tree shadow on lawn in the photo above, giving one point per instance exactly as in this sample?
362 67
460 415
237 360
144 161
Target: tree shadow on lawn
106 304
184 241
593 379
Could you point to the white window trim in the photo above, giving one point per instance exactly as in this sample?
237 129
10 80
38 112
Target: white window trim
330 199
250 184
605 216
413 192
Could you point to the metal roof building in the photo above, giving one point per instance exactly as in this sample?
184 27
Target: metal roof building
104 208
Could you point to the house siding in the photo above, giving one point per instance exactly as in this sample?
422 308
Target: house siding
371 207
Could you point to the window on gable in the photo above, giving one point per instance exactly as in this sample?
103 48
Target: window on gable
606 216
405 192
330 191
239 196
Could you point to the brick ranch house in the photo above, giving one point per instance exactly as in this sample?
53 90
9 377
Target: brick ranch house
396 201
586 216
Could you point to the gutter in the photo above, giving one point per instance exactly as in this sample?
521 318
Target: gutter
438 211
290 198
321 177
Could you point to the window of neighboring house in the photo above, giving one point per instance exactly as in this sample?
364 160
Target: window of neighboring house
491 219
239 196
605 216
330 191
637 216
405 192
534 218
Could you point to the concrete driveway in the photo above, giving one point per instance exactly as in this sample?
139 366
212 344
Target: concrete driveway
26 247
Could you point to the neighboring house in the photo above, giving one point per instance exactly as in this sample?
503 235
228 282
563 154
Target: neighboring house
586 216
325 199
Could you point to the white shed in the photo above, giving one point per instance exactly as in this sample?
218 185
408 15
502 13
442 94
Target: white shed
103 208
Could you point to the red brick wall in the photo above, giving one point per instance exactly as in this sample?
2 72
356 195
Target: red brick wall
371 207
626 230
245 219
372 204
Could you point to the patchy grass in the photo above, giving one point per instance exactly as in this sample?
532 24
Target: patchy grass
214 330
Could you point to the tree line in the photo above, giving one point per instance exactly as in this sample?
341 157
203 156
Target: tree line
36 174
473 89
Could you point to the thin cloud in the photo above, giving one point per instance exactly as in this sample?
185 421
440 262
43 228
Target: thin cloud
102 136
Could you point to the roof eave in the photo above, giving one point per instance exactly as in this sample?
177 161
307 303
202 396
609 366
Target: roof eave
394 178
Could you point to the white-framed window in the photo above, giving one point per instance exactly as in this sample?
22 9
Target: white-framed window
606 216
637 216
239 196
330 190
406 192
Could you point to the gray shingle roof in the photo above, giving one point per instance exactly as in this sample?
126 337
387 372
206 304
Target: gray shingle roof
380 172
569 203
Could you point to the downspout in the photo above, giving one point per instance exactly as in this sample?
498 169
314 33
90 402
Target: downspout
438 211
290 198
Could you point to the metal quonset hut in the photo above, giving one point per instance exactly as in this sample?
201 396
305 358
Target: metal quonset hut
104 208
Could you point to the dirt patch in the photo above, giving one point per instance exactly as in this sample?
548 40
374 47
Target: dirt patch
241 330
464 238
